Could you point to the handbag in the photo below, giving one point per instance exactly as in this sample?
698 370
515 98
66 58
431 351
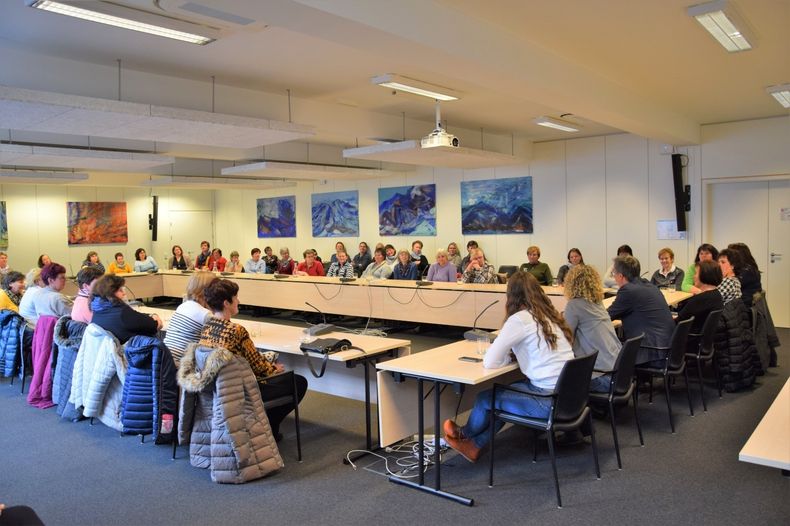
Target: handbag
325 346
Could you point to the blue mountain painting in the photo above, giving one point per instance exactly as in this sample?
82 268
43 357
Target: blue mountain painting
277 216
407 210
336 214
497 206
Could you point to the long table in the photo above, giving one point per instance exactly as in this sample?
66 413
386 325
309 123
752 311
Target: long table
769 444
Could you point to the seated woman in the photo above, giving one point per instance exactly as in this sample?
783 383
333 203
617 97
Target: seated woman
43 260
405 268
540 270
574 258
379 268
34 286
50 301
707 278
144 262
339 246
119 266
443 269
668 276
391 254
362 259
113 314
730 287
222 298
608 278
271 260
419 258
13 284
234 265
179 261
92 260
705 252
590 323
216 263
86 279
309 267
454 255
188 320
748 273
478 270
285 265
540 340
342 268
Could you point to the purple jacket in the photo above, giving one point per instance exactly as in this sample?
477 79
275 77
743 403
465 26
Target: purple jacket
40 394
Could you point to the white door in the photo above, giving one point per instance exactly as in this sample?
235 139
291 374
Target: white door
750 212
188 228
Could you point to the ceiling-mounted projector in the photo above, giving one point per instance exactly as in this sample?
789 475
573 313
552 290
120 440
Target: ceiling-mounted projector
439 137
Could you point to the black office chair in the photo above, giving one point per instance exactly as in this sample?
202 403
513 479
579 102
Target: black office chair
621 389
507 269
705 351
569 412
672 365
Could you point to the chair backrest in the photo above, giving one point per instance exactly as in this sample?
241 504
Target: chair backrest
625 364
573 387
677 349
709 330
507 269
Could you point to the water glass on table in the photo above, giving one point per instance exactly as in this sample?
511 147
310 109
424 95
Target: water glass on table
482 345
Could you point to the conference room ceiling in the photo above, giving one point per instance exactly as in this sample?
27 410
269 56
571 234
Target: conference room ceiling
643 67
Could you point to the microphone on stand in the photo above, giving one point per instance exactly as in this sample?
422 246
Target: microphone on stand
134 302
476 334
319 328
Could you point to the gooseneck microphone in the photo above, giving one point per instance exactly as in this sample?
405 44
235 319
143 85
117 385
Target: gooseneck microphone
476 334
319 328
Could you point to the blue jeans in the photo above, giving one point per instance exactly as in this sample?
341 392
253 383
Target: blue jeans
600 384
476 427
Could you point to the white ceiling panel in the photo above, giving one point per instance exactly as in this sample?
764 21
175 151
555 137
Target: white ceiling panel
77 158
304 172
410 152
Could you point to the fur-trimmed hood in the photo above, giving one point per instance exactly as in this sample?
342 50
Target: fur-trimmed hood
200 366
68 333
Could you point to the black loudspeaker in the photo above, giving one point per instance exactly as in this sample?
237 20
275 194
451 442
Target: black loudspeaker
153 218
682 193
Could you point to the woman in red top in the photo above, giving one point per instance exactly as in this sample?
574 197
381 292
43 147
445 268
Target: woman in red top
286 265
216 263
309 267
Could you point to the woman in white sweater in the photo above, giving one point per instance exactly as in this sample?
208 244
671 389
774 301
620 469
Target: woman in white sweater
541 342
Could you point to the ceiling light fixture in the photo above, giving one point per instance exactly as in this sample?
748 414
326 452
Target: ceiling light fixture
781 93
557 124
721 20
128 18
417 87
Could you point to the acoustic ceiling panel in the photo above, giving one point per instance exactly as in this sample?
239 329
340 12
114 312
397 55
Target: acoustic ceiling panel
213 183
410 152
304 172
77 158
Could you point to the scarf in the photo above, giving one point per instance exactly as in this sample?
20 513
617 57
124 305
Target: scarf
15 298
415 255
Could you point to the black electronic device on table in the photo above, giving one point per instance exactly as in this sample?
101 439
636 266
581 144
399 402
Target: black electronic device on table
226 273
470 359
281 276
421 283
347 280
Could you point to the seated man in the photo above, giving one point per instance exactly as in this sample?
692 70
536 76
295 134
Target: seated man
478 271
256 265
642 308
309 267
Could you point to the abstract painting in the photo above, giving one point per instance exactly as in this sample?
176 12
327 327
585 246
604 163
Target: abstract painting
497 206
3 226
277 216
96 223
336 214
408 210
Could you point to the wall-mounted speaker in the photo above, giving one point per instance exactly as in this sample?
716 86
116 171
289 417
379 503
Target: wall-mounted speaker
682 193
153 218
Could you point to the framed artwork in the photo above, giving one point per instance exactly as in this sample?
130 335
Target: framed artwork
497 206
336 214
407 210
3 226
96 223
277 216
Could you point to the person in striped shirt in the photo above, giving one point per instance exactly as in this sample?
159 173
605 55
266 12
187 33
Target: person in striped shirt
342 268
189 318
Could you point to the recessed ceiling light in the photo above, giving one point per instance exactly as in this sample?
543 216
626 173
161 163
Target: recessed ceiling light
781 93
557 124
417 87
722 21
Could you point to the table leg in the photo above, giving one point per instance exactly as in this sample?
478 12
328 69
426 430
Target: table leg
368 431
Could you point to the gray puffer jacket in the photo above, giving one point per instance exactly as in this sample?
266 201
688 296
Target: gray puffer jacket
221 415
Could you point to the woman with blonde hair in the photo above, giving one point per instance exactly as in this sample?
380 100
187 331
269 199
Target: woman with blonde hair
541 341
189 318
592 328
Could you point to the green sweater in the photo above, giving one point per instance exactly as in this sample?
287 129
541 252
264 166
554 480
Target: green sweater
540 271
688 279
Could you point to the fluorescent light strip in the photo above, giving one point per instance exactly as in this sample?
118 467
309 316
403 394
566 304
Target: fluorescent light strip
781 94
417 91
720 24
408 85
125 23
557 124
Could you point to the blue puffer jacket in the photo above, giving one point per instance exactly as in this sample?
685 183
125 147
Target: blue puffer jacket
11 325
67 338
150 389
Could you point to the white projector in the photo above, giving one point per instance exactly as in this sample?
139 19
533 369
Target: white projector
439 137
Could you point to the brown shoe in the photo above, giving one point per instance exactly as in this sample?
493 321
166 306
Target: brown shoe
451 429
465 447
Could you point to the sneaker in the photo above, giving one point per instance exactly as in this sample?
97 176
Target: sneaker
451 429
465 447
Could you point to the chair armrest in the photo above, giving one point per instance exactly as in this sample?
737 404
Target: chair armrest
654 348
604 371
278 375
504 387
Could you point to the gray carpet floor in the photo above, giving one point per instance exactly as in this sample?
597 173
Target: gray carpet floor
72 473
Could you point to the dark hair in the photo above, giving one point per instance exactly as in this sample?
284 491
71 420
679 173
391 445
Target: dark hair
218 251
626 249
415 242
380 251
707 247
578 252
87 275
471 243
218 292
173 250
255 251
524 292
41 260
746 255
118 254
734 258
341 244
12 277
137 253
208 245
709 273
91 253
628 266
51 272
107 286
367 248
387 247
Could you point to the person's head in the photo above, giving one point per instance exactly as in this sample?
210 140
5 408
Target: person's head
340 246
524 292
285 253
404 257
575 257
267 251
43 260
54 276
452 249
416 247
441 257
87 277
707 273
533 254
471 245
667 258
583 281
222 296
177 251
255 253
626 269
380 245
197 285
745 255
109 287
378 255
389 250
706 251
342 257
119 258
204 246
363 247
140 255
309 257
216 253
34 278
624 250
92 257
14 282
3 260
730 262
234 256
478 255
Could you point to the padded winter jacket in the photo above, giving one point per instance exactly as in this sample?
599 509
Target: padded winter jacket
11 326
40 393
150 389
735 351
68 337
222 417
765 337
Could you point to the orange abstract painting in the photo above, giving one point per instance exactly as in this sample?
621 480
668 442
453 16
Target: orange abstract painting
97 223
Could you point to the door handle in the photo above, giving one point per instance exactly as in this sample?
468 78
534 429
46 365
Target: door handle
775 256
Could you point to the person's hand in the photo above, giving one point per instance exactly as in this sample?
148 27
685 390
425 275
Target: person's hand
278 367
2 507
158 321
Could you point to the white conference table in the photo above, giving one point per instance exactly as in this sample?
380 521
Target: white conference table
769 444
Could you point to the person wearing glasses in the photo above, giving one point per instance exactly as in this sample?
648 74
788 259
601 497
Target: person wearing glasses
477 270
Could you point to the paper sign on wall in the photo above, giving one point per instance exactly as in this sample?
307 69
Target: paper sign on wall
668 229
